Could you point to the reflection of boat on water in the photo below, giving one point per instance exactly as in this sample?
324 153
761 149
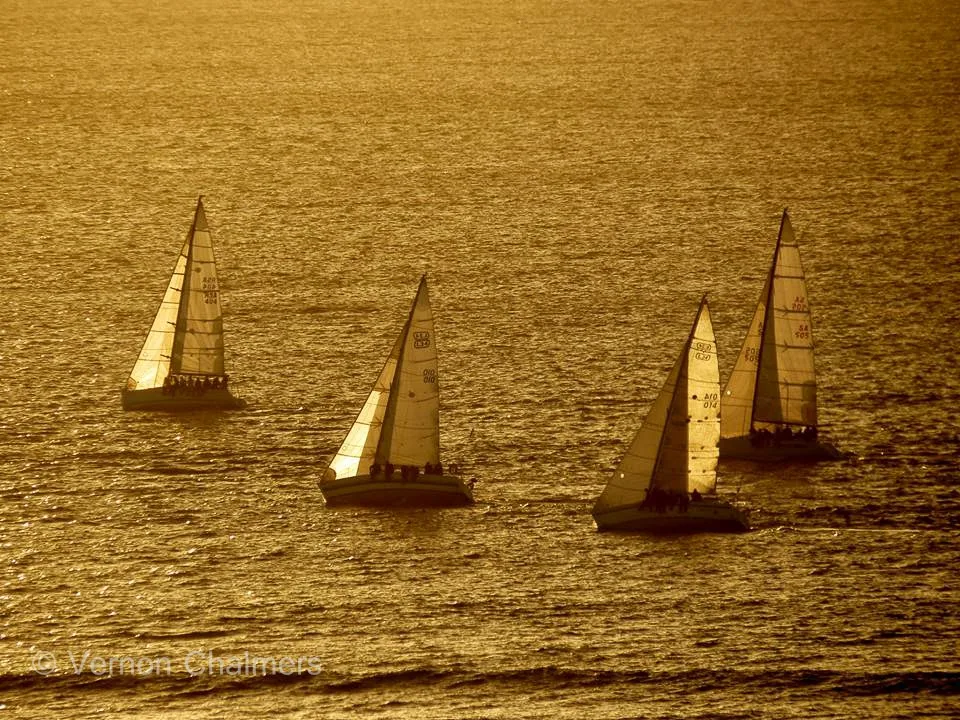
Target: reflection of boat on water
770 400
391 455
180 366
666 481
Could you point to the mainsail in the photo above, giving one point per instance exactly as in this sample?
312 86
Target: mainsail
187 333
676 447
400 420
774 382
786 381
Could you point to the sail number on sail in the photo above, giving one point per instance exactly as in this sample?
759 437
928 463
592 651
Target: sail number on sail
209 288
421 340
702 350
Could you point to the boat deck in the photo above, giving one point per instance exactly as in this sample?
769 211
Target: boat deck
742 448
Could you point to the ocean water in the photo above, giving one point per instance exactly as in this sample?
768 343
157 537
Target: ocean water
572 177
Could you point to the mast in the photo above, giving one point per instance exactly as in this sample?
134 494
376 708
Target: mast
687 450
374 436
767 312
681 378
786 384
176 356
382 454
669 450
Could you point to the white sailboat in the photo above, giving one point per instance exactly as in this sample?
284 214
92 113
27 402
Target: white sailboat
391 454
180 366
770 400
666 481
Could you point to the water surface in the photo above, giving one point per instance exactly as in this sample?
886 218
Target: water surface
572 178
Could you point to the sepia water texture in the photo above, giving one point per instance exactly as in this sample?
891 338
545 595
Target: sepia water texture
572 177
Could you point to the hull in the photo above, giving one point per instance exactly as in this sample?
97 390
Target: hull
707 515
741 448
424 491
157 399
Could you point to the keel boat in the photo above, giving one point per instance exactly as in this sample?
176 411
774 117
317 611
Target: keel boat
391 454
180 366
666 482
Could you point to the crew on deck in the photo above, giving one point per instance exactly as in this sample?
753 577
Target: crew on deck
193 385
782 433
408 472
662 500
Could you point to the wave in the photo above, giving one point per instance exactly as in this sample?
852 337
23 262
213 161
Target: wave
838 683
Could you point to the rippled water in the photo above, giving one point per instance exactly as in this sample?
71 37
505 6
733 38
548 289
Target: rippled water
572 177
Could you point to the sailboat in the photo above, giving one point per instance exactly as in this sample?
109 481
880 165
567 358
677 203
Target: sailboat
391 454
770 400
180 366
667 480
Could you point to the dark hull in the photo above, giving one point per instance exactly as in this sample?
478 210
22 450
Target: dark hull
425 491
741 448
157 399
699 516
